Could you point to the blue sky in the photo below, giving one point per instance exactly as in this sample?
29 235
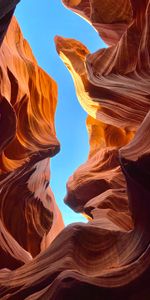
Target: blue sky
40 21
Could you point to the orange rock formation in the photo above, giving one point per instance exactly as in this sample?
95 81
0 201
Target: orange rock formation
28 103
107 258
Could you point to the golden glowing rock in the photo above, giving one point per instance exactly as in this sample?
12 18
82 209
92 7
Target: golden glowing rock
109 257
73 3
28 103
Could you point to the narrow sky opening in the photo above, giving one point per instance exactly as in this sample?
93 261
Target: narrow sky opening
40 22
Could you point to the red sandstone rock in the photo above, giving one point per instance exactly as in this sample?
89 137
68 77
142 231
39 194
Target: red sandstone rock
107 258
109 17
28 102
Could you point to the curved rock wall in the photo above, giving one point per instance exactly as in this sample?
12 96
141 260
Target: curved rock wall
28 101
108 257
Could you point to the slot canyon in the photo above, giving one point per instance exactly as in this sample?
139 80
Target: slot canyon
108 256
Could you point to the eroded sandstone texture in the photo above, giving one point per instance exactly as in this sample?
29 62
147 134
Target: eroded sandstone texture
28 100
109 257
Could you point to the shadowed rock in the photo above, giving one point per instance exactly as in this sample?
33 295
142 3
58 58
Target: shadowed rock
28 210
107 258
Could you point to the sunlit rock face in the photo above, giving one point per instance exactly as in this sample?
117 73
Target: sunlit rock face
28 210
109 257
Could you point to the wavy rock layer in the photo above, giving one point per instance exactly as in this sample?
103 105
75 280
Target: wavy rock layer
109 257
110 18
28 210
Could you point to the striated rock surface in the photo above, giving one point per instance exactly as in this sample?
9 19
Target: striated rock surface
28 211
109 18
114 73
109 257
